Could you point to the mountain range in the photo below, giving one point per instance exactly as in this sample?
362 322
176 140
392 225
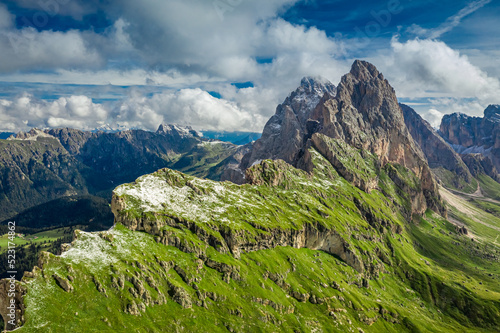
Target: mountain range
349 213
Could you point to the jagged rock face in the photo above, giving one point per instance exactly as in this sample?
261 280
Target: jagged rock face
462 130
366 114
474 135
437 151
231 166
284 134
363 112
177 131
479 164
343 158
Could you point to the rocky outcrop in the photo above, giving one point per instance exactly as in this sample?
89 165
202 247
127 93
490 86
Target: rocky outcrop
349 163
366 115
462 130
438 152
481 165
63 283
12 306
363 112
286 132
474 135
230 168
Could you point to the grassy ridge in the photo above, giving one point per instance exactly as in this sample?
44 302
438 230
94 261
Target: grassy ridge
419 274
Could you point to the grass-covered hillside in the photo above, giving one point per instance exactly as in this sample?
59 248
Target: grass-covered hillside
291 252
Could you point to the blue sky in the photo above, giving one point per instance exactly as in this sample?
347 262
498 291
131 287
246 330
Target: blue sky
226 64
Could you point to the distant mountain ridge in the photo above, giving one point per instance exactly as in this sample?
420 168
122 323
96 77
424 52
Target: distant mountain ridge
471 136
42 165
446 164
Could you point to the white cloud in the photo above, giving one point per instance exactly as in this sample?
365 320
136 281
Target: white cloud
193 107
471 107
434 117
185 45
28 49
430 68
6 18
190 47
26 111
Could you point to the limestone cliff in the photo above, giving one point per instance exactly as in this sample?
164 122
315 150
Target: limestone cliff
438 152
285 134
475 135
365 114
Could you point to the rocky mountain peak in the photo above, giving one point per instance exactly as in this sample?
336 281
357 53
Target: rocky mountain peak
316 86
305 98
33 134
178 131
492 112
283 135
364 71
363 113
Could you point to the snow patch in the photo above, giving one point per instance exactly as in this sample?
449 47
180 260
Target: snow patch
472 150
255 163
92 249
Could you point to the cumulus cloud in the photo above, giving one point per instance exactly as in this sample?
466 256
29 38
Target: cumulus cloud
193 107
190 47
183 45
6 18
434 117
430 68
28 49
473 107
26 111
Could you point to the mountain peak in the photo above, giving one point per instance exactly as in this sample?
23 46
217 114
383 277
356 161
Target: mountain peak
315 86
311 81
305 98
363 70
492 112
176 130
32 135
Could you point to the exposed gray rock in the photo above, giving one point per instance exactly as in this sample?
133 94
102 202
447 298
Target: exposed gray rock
284 134
479 164
63 283
475 135
438 152
366 114
181 296
363 112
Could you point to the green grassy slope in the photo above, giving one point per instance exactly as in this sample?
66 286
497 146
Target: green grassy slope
452 181
490 187
409 275
41 237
